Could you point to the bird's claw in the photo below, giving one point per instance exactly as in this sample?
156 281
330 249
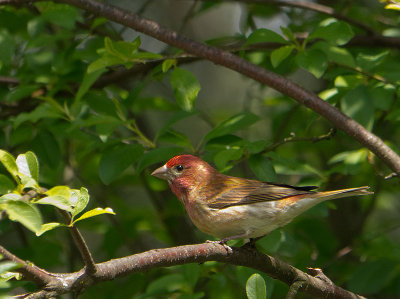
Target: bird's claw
223 243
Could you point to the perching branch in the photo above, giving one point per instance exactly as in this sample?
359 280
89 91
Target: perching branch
61 283
229 60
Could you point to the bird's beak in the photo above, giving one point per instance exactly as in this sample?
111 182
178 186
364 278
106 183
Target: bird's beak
161 172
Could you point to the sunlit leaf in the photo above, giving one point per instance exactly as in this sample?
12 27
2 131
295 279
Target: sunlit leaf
56 200
255 287
24 213
28 165
95 212
82 200
48 226
9 163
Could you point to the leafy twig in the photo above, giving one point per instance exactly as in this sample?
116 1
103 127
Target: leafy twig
293 138
81 245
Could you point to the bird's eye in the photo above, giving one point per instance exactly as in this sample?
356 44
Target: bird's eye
179 168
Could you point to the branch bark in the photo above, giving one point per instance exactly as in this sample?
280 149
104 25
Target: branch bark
61 283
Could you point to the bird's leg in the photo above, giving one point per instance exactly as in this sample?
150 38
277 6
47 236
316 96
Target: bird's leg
252 241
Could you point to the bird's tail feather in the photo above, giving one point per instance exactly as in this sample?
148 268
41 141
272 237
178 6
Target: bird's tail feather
327 195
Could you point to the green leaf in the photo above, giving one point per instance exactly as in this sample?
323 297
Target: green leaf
372 276
280 54
47 148
24 213
314 61
289 34
394 6
191 273
82 200
369 62
42 111
62 191
165 285
174 137
358 105
122 49
161 154
255 287
335 54
333 31
48 226
60 14
58 201
88 80
222 158
265 36
115 161
7 266
232 124
100 65
9 163
262 168
350 157
95 212
167 64
28 165
10 196
7 47
186 87
6 185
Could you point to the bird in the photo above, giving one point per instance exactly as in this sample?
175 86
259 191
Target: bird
229 208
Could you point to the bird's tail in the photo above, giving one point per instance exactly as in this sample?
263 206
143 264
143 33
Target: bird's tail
327 195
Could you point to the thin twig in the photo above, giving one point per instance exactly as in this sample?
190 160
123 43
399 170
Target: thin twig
312 139
81 245
9 80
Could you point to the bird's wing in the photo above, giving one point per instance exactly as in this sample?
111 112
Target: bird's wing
242 192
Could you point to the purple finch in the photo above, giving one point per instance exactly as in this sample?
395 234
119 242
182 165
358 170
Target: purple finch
231 208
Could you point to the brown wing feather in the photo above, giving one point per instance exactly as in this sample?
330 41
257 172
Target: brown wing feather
242 192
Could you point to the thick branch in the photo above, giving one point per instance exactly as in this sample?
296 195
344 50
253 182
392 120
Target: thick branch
199 253
279 83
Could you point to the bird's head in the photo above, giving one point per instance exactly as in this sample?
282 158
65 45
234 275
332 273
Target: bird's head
183 173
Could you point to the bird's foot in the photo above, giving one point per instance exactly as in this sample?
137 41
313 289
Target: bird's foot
222 242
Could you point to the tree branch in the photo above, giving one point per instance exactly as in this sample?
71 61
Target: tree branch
61 283
28 270
81 245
